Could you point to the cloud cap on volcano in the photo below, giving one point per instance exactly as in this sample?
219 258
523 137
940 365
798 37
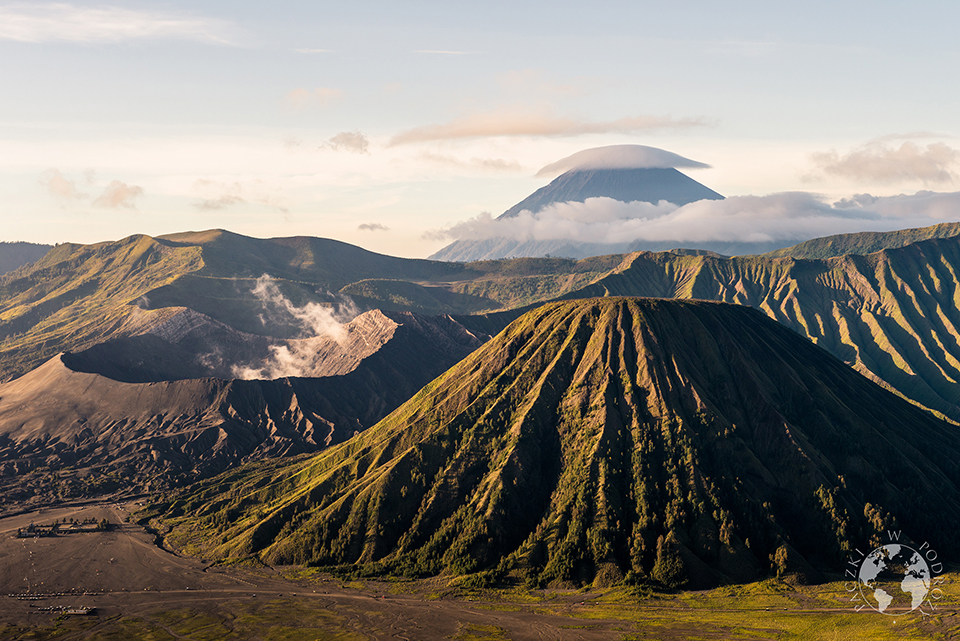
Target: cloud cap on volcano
621 157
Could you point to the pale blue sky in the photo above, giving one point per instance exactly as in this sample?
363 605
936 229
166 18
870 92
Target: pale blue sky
283 118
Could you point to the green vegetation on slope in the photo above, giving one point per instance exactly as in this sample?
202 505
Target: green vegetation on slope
593 441
892 315
80 295
77 295
865 242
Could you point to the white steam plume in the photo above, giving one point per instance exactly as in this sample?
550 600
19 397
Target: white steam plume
319 324
314 319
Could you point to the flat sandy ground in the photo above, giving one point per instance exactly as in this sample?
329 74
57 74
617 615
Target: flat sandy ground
141 591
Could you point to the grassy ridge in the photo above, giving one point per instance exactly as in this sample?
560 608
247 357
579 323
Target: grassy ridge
892 315
592 441
865 242
80 295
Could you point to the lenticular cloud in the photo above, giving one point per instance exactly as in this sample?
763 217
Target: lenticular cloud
621 157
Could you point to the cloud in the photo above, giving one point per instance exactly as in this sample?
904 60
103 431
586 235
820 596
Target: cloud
66 22
118 194
348 141
912 210
620 157
300 99
482 164
372 227
877 162
115 194
59 187
314 50
786 216
534 122
222 202
217 195
213 195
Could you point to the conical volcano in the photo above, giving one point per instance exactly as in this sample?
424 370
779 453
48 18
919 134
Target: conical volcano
675 441
646 184
595 179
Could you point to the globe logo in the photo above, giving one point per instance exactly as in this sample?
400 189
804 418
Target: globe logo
894 577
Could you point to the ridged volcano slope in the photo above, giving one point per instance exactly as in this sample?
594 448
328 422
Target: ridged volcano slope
892 315
596 438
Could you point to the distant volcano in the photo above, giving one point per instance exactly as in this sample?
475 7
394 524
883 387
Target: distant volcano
646 184
623 173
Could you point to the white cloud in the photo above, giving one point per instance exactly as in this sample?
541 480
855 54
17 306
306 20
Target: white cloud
66 22
878 162
372 227
919 209
525 121
220 202
783 216
214 195
115 194
59 187
620 157
118 194
348 141
473 164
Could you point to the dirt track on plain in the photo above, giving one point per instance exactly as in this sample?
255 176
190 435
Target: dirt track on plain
122 573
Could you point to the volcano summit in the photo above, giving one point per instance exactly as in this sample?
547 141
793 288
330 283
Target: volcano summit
627 173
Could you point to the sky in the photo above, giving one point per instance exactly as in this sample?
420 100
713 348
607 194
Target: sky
388 124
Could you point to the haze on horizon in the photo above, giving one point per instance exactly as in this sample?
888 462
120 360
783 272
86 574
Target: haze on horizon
379 124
